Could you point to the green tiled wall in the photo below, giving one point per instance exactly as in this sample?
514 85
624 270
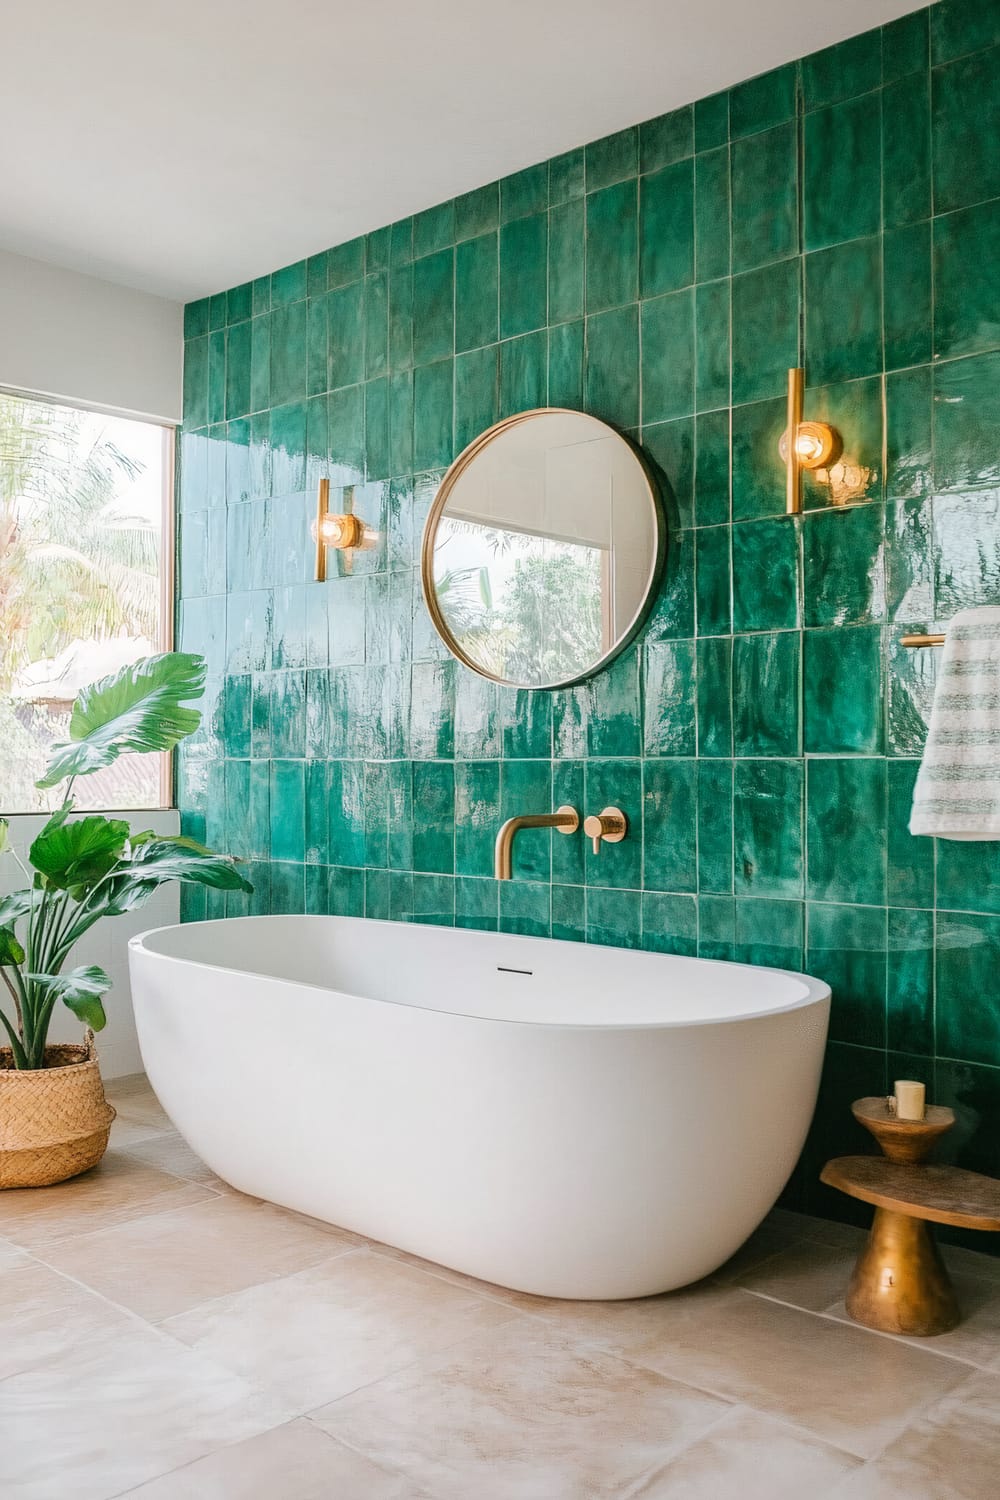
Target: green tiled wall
763 734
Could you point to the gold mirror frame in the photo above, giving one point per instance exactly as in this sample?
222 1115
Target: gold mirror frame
451 478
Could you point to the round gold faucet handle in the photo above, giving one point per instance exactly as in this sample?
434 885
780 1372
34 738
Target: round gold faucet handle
611 825
593 827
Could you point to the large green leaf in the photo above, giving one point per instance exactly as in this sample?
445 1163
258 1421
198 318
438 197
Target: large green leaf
11 951
139 709
81 990
17 904
154 863
71 855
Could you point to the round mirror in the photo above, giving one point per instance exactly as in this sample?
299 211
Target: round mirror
543 549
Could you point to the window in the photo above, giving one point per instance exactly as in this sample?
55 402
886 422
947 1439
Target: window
85 527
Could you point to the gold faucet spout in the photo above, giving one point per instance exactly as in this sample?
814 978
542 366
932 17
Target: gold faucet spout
563 820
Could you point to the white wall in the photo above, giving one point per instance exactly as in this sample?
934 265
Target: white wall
105 944
80 339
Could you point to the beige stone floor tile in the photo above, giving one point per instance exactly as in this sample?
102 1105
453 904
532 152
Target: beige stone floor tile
116 1410
324 1332
519 1413
845 1385
170 1152
770 1239
120 1188
43 1314
128 1133
12 1258
751 1457
169 1262
977 1337
523 1301
951 1453
296 1462
134 1100
807 1275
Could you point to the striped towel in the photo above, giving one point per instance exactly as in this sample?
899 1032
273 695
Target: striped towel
957 795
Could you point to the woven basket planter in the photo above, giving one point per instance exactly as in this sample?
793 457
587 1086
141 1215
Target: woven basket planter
54 1121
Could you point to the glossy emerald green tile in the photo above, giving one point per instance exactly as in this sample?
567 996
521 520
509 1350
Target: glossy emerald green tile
288 353
966 250
400 421
767 827
711 121
401 316
712 479
716 927
973 1092
846 846
910 692
965 426
433 900
712 345
260 363
666 139
766 306
968 875
287 801
400 242
377 894
377 324
566 260
569 913
838 72
476 394
216 376
765 575
346 433
570 709
477 904
377 429
217 311
846 947
906 150
669 689
196 319
967 1016
906 260
525 192
196 382
612 245
906 46
841 190
525 719
668 356
567 176
765 197
855 409
287 887
288 284
433 306
566 365
715 826
909 471
317 274
843 566
478 211
612 158
669 446
432 711
614 714
842 691
910 872
238 339
770 932
960 26
614 918
523 373
433 228
672 615
345 805
616 783
910 988
345 892
669 825
669 924
713 605
526 786
523 274
317 345
966 154
345 312
346 263
844 311
715 696
525 908
400 815
766 694
763 101
666 233
288 448
611 383
434 829
433 400
712 214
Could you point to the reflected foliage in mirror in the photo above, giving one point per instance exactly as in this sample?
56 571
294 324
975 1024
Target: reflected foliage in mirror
542 549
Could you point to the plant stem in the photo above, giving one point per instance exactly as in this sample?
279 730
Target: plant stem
17 1002
21 1059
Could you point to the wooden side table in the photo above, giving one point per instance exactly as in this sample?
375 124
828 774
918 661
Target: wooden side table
900 1284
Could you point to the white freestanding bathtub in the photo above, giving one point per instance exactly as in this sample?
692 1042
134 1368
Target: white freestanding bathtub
569 1120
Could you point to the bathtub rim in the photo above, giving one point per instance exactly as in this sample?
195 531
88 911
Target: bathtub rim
817 991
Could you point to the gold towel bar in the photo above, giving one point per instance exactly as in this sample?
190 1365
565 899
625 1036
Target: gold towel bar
922 640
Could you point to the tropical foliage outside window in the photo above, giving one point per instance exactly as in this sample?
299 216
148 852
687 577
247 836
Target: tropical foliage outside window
82 504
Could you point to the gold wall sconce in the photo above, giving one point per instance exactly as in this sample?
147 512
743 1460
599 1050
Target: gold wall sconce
804 445
343 531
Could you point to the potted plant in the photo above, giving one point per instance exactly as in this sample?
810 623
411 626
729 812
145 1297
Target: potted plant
54 1119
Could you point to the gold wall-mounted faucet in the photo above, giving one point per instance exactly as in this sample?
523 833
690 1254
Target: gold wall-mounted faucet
564 820
609 827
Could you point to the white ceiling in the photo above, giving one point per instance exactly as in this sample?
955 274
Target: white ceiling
182 148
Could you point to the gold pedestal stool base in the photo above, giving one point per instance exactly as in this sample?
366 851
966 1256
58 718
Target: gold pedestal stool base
900 1284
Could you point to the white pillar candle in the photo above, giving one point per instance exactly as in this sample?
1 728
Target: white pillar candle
909 1099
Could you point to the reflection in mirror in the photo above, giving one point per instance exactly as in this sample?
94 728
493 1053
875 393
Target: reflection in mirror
542 549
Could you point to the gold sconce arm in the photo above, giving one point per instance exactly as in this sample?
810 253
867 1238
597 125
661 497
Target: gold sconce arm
921 640
804 445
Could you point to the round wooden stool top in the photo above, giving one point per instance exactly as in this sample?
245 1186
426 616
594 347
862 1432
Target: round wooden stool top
902 1140
944 1195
